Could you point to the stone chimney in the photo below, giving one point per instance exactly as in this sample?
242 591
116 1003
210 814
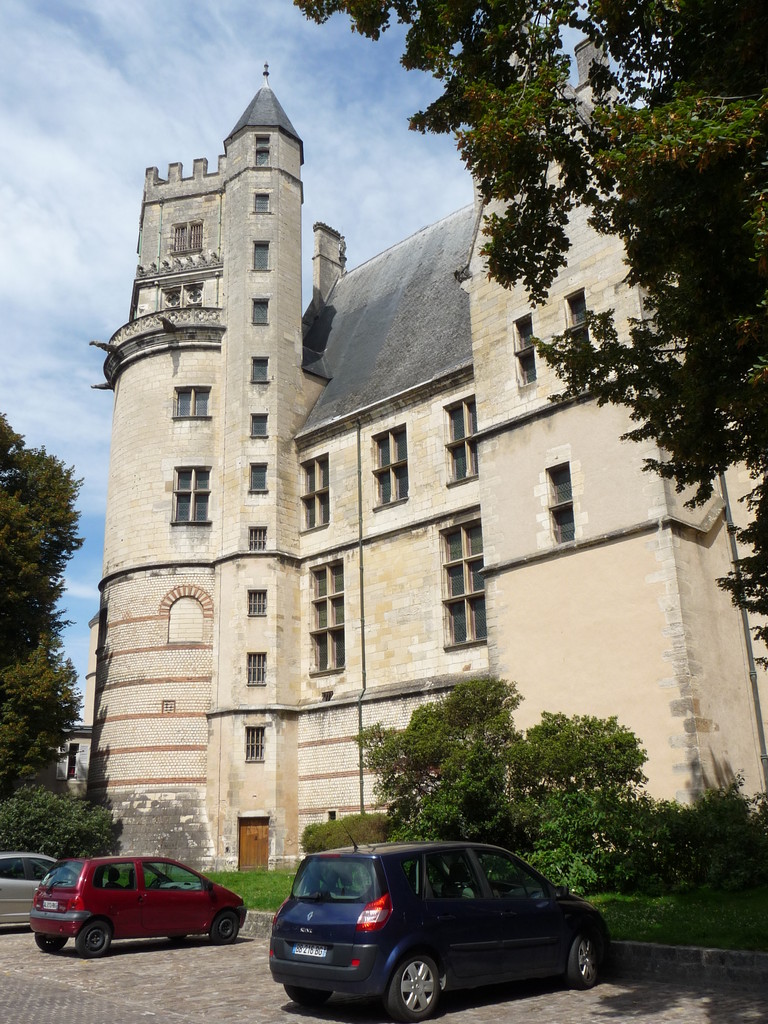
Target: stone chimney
328 262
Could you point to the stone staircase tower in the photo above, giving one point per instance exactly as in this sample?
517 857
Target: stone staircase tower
195 724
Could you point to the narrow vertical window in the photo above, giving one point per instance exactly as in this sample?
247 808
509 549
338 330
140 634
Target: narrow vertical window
262 151
259 368
316 496
328 617
260 313
561 503
191 495
254 742
524 350
261 255
577 316
391 471
261 202
256 668
257 538
258 481
463 582
462 448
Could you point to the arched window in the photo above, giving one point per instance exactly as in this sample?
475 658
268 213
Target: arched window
185 621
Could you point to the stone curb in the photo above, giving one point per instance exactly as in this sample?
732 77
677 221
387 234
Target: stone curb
691 965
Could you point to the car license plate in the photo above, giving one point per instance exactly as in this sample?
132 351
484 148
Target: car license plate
50 904
301 949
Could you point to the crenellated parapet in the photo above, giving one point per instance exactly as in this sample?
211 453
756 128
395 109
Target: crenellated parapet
177 186
162 331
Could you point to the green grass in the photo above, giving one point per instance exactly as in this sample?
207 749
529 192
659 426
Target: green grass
721 920
261 890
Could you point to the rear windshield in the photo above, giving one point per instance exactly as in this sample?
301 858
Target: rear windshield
63 875
337 879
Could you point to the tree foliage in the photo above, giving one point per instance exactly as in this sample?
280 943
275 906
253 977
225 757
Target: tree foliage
60 826
38 535
669 155
445 774
568 794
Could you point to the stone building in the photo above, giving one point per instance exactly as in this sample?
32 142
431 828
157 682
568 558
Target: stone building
318 522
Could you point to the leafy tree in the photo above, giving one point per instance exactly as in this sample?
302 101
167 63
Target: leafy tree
445 774
563 754
668 155
59 826
38 535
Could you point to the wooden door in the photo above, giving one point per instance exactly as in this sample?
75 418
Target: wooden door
253 849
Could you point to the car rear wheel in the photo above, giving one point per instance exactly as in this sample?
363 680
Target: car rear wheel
413 989
224 928
581 971
93 939
50 943
307 996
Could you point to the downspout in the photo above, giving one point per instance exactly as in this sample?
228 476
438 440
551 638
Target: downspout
362 609
731 529
159 254
218 248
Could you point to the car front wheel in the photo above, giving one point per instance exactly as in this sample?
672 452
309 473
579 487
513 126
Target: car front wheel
413 990
50 943
581 971
224 928
306 996
93 939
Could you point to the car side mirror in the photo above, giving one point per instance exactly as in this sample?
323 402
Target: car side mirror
208 885
561 891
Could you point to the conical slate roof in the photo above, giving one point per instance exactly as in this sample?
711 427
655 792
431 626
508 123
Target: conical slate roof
265 111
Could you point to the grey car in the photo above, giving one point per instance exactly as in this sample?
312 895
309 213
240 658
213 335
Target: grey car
20 875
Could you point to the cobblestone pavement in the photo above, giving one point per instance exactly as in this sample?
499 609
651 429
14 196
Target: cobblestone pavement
142 982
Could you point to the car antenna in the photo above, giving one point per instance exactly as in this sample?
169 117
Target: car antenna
351 837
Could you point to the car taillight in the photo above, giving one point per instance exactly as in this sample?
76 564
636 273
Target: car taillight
375 914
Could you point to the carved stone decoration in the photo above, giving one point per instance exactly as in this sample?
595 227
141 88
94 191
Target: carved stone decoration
192 315
179 264
172 298
193 295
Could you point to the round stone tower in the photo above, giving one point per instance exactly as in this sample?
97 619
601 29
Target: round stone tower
194 732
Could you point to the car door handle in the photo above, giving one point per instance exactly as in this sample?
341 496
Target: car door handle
446 917
509 913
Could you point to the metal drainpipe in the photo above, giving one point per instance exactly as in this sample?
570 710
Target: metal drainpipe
159 253
218 250
362 608
731 530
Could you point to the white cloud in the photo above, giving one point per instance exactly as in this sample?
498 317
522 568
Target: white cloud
92 93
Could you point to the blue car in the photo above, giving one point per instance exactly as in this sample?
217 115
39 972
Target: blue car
407 921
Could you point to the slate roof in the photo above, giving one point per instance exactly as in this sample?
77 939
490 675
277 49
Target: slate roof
265 111
397 321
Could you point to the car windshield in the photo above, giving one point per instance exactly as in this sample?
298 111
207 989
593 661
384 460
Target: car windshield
337 879
64 874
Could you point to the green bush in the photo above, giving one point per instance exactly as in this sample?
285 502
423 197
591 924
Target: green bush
354 829
618 842
39 821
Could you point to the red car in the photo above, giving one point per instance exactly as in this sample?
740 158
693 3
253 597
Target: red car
105 898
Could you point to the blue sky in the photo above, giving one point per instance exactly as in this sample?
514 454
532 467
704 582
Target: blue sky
94 91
